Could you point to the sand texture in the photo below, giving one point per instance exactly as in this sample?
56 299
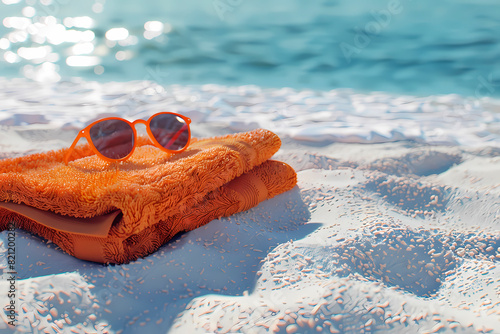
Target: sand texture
393 226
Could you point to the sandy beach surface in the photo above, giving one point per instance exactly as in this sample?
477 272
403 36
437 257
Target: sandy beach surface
393 226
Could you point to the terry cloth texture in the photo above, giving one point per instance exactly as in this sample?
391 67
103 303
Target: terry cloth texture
140 203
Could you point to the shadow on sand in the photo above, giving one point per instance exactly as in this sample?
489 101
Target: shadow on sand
145 296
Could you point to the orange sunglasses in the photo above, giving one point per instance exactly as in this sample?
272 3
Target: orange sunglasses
114 139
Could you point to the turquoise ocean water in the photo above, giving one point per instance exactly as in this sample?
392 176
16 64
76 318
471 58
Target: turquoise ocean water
398 46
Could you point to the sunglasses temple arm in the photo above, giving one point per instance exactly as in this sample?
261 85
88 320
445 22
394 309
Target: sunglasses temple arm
68 152
178 133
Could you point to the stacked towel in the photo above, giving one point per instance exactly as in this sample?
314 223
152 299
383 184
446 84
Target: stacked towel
116 213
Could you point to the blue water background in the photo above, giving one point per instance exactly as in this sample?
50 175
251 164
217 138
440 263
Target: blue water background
421 47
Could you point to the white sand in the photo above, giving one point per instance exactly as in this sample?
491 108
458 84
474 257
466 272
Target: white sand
393 226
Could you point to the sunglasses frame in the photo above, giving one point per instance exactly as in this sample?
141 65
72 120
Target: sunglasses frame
85 132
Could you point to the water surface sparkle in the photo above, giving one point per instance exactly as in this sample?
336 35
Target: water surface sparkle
416 48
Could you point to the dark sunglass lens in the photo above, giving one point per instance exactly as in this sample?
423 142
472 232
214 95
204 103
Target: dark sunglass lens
113 138
171 131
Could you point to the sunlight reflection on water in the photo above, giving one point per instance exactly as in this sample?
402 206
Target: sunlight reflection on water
38 41
422 49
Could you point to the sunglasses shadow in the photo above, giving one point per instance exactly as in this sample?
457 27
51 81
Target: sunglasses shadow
147 156
143 158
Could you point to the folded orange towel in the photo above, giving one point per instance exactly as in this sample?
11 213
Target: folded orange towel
118 212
